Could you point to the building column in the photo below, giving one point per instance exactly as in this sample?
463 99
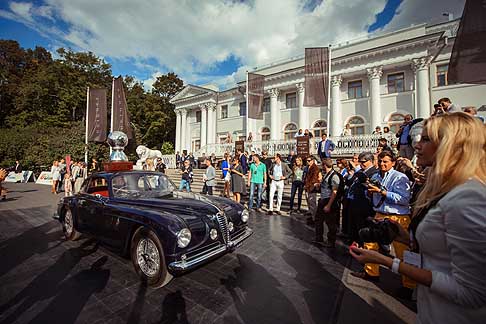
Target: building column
421 68
303 120
178 131
211 132
336 123
374 75
184 131
204 125
274 117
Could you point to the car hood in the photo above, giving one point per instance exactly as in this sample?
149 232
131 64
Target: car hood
188 205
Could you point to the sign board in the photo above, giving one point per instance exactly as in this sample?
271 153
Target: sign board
45 178
303 146
239 145
13 177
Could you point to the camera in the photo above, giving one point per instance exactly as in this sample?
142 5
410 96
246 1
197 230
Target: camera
382 232
376 183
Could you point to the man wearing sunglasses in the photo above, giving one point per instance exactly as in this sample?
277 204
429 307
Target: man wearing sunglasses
358 206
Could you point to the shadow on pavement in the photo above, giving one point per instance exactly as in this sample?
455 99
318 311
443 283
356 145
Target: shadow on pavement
257 297
174 309
16 250
49 283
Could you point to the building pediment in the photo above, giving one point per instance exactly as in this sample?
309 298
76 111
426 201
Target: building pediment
191 91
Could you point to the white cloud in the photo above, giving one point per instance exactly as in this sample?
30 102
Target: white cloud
192 37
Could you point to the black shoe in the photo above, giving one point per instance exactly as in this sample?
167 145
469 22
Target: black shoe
257 210
318 242
270 212
278 212
329 245
404 293
363 275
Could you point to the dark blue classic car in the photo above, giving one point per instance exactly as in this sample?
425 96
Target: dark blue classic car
164 231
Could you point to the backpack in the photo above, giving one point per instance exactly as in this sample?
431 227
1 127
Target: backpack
340 191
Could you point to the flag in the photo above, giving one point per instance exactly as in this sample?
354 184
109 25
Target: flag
316 74
468 58
68 164
256 83
96 121
119 111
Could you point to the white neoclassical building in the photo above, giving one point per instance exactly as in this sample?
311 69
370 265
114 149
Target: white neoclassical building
374 82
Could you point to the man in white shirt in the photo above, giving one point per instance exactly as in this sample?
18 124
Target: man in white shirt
278 173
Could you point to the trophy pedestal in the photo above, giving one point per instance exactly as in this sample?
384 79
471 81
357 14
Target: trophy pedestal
115 166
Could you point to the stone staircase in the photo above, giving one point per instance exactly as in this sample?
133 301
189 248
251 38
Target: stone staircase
197 186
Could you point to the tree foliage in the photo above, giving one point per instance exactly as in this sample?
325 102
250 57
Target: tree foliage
43 105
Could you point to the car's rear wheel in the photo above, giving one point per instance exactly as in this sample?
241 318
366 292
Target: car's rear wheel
148 258
68 226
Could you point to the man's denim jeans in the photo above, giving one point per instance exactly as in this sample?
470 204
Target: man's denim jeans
185 184
259 187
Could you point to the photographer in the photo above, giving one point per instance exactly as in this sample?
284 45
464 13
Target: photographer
390 194
448 227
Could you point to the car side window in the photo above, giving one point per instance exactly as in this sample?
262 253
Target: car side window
97 185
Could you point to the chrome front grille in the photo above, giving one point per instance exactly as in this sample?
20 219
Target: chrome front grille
223 226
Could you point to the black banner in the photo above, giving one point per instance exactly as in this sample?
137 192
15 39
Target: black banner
468 58
121 122
96 128
316 73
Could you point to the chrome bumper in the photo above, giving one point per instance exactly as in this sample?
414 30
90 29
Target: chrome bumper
189 263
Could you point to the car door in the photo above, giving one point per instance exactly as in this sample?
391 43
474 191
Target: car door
91 204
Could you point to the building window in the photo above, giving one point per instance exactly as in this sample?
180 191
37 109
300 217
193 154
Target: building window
196 145
319 128
265 134
395 121
224 111
357 125
291 100
243 108
355 89
266 105
396 83
442 75
289 131
198 116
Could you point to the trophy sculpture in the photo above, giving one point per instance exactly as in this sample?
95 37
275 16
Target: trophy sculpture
118 159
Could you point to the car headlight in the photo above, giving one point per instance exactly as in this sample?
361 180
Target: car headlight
245 215
213 233
183 238
231 226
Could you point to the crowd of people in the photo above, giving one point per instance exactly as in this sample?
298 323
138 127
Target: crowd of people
424 195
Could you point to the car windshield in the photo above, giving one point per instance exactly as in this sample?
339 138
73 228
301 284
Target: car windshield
141 185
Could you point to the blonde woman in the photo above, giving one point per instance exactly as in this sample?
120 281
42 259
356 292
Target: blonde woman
3 192
449 224
149 165
297 184
56 176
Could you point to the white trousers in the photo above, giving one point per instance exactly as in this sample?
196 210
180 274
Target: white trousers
279 187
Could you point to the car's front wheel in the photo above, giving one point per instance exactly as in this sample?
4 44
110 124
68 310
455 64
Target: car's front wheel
68 226
148 258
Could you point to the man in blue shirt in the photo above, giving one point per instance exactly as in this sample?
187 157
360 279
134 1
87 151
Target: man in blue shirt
325 147
390 200
405 142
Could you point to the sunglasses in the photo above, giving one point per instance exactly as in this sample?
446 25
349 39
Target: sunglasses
309 160
363 161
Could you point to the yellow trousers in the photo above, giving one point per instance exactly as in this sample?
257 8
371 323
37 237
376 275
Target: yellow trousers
373 269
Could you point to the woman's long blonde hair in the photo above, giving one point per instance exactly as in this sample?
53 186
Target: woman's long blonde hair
461 154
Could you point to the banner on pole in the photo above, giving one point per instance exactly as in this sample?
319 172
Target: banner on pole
468 58
121 121
96 127
316 73
256 83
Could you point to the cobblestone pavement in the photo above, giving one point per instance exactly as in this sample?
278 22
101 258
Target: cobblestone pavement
277 276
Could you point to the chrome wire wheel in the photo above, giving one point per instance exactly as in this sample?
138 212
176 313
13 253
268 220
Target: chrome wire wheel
68 223
148 257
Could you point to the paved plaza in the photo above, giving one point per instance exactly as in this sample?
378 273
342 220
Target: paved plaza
276 276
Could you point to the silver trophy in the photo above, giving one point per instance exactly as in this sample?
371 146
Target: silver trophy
118 140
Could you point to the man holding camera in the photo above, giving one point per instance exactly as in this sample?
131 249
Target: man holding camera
390 194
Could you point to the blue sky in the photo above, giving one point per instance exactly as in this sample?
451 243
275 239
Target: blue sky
211 41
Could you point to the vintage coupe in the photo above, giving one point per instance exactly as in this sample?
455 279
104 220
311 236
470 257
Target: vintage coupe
165 232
